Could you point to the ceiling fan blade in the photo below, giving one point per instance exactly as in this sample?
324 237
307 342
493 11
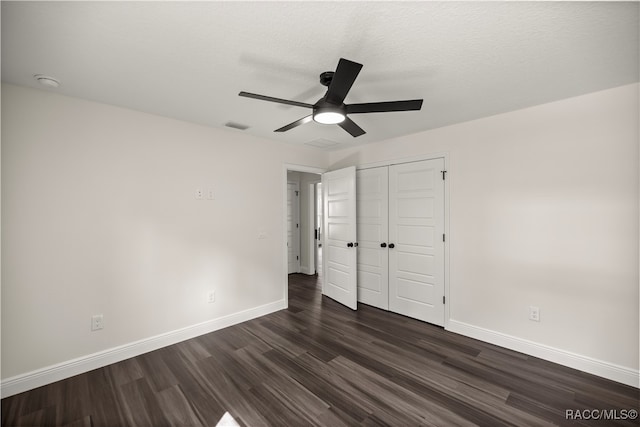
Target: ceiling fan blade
295 124
350 126
342 81
272 99
382 107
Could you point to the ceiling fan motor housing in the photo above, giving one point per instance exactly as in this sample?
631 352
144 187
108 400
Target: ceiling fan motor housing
326 77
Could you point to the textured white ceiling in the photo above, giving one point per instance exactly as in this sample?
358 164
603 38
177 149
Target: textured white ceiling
189 60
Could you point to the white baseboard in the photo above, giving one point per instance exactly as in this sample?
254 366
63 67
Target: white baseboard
60 371
306 270
593 366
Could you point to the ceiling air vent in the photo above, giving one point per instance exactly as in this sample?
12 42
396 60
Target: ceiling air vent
235 125
322 143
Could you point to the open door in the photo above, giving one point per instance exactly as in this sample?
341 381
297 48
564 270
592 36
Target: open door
340 245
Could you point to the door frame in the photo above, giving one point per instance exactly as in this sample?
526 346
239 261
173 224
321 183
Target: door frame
285 256
447 191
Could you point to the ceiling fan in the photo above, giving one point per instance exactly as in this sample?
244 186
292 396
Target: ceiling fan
331 109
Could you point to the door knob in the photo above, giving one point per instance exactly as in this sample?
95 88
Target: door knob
391 246
349 245
383 245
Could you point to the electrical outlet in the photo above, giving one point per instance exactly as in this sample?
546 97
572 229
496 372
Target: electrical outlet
211 297
199 194
210 194
97 322
534 313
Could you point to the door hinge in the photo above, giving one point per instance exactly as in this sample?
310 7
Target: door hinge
443 299
297 191
297 225
443 174
297 257
443 238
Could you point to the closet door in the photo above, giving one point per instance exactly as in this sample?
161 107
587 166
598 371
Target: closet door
416 249
340 244
373 222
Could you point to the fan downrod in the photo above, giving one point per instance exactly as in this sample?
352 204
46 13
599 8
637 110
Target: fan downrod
326 77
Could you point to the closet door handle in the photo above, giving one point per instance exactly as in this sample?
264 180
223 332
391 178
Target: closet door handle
349 245
383 245
391 246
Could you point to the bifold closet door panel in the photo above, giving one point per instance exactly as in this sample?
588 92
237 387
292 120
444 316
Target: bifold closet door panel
416 228
340 244
373 223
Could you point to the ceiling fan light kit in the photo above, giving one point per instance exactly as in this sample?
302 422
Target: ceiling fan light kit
331 109
328 114
328 117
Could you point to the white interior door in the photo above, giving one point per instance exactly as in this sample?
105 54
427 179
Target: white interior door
293 227
372 189
340 245
416 247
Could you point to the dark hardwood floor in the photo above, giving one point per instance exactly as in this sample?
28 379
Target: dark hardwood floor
319 363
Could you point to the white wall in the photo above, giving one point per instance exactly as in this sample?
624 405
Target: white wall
543 211
99 216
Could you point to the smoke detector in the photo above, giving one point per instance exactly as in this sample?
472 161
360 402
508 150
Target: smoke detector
47 81
235 125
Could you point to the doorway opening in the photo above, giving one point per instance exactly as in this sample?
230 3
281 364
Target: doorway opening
303 219
293 224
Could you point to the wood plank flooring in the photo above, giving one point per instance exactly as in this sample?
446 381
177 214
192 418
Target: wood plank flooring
321 364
